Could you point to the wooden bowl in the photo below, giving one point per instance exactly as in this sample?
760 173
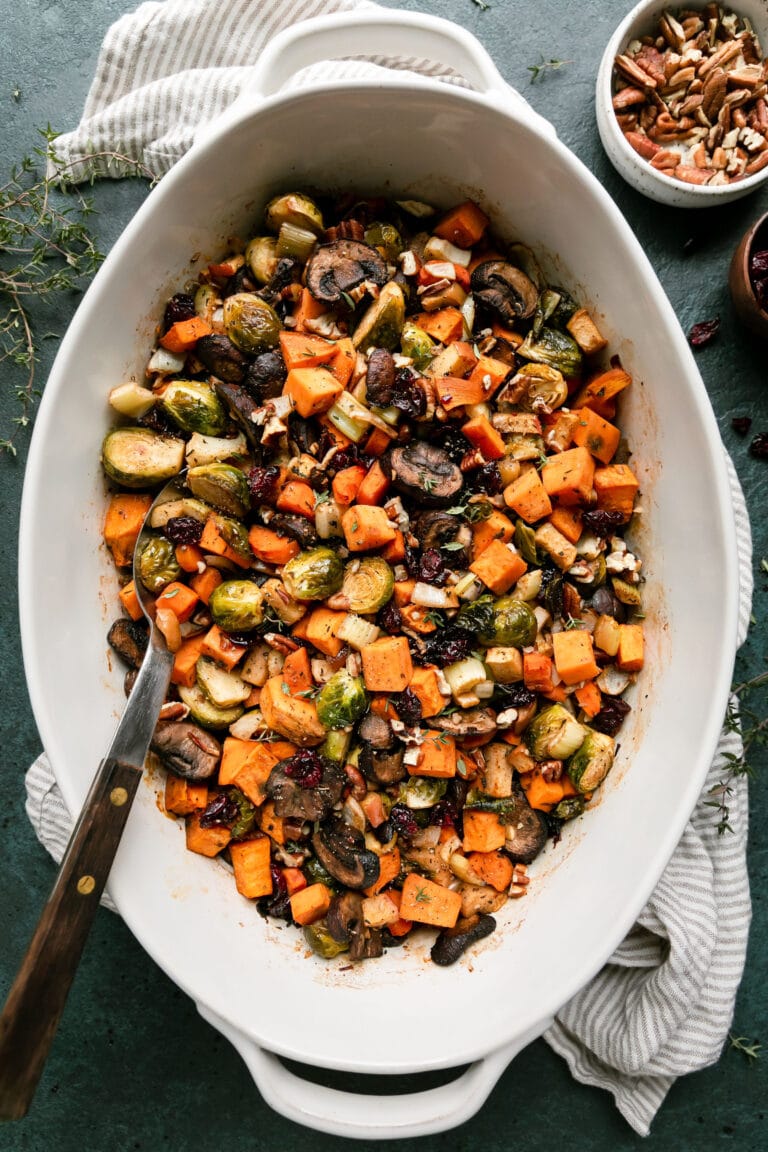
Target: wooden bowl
745 301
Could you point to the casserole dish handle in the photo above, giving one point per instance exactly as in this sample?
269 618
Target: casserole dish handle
374 32
368 1117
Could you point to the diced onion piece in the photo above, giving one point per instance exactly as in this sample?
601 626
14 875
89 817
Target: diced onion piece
357 632
328 520
168 623
249 725
427 596
165 362
440 269
468 315
416 208
131 399
484 690
296 242
529 585
464 675
462 868
468 587
209 449
438 249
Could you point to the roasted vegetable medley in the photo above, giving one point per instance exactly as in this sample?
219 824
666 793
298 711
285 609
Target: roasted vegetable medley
394 572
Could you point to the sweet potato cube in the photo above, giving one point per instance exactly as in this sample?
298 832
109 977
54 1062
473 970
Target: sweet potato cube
568 476
367 527
185 661
389 870
403 591
130 600
537 672
574 656
528 497
630 655
601 389
596 435
297 672
483 831
437 757
322 630
182 797
544 794
453 392
291 716
181 600
310 903
297 497
253 759
490 373
589 698
586 333
616 487
374 485
463 226
568 523
446 325
343 363
219 647
270 547
496 527
205 841
425 686
308 309
387 664
493 868
295 880
425 902
184 334
346 483
480 432
212 540
271 824
498 567
313 390
250 862
122 524
302 351
204 583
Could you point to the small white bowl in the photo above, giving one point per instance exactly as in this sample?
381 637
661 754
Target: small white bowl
642 21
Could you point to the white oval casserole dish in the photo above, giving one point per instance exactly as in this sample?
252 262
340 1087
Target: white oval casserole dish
425 140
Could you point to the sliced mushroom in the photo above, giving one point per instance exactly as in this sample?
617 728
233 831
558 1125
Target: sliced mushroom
526 830
265 377
468 722
436 529
505 290
293 802
299 528
337 269
382 766
453 942
129 638
186 749
480 901
366 945
377 732
341 850
344 918
242 408
380 377
222 359
286 271
425 473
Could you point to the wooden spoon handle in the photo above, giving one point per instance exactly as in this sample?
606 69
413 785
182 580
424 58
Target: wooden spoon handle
36 999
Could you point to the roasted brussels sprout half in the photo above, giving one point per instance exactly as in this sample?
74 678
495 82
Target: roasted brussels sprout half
313 575
235 534
569 808
158 565
367 585
525 542
237 605
251 323
592 761
222 485
420 792
204 711
386 238
564 310
335 747
194 407
415 343
514 623
342 701
261 258
294 208
224 689
321 942
555 348
140 458
479 618
382 325
536 386
554 734
247 813
173 509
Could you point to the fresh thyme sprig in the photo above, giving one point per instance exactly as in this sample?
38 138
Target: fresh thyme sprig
750 1048
544 66
753 725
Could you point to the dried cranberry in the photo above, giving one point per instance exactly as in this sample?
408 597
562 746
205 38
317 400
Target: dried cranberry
408 707
220 813
183 530
403 820
305 767
704 333
262 483
486 479
611 715
156 420
179 307
759 446
451 644
279 884
344 458
407 395
758 264
602 522
445 814
244 639
432 569
513 695
278 905
389 619
554 826
452 440
741 424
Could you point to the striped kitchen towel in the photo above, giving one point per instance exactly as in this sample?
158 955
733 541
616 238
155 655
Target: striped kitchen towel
662 1005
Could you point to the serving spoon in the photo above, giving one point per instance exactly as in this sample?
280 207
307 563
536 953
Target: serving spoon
36 1000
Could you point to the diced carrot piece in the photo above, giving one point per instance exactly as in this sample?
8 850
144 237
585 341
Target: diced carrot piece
213 541
400 927
189 557
589 699
295 880
616 487
498 568
389 870
122 524
495 370
311 903
493 868
292 716
184 334
182 797
219 646
630 656
374 486
496 527
428 903
337 438
445 325
181 600
600 388
185 661
367 527
437 757
205 841
322 630
508 335
463 226
425 686
387 664
483 831
403 591
568 522
480 432
130 600
271 548
453 392
596 435
308 309
574 656
205 583
296 672
344 360
528 496
250 862
377 443
544 794
537 671
313 390
568 476
346 483
296 496
394 553
417 619
302 351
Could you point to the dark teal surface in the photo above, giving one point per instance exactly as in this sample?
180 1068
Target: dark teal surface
133 1066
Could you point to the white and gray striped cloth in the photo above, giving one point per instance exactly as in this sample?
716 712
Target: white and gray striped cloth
663 1004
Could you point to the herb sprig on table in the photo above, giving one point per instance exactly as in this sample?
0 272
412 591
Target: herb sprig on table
46 249
753 723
